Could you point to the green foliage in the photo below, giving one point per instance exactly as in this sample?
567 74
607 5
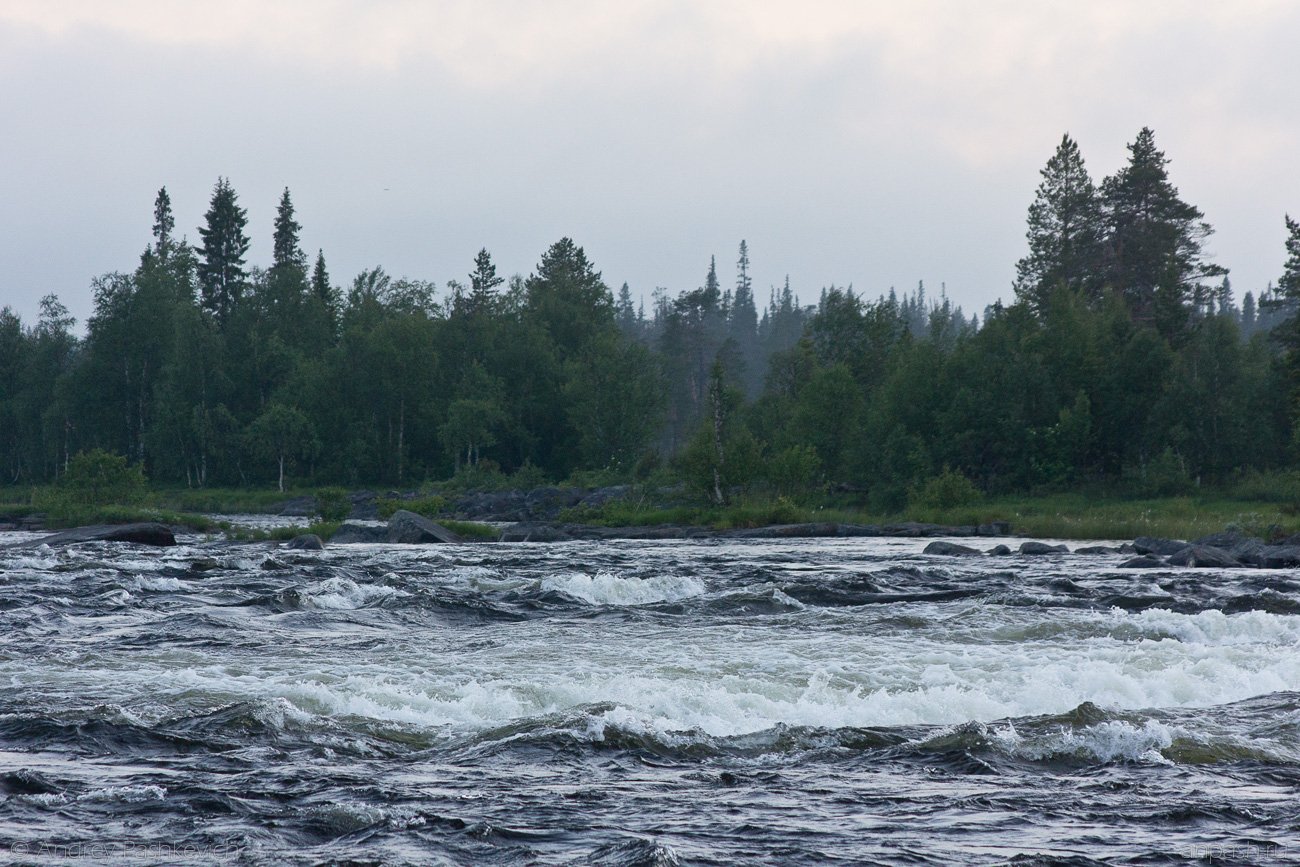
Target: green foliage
429 507
528 476
794 472
472 530
947 490
1165 476
99 478
333 504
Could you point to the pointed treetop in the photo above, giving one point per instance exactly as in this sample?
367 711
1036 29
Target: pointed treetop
320 279
287 252
163 223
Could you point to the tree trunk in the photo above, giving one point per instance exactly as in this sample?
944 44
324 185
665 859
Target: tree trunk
282 474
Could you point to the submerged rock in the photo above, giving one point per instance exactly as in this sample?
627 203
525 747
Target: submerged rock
1000 551
1097 549
950 549
1040 548
1145 561
152 533
306 542
351 533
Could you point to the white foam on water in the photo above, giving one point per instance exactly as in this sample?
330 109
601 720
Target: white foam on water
1216 628
608 588
1112 740
126 794
160 584
344 594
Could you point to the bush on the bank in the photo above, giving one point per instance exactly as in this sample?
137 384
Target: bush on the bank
333 504
429 507
794 472
947 490
93 479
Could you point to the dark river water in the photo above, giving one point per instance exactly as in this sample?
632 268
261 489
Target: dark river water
643 703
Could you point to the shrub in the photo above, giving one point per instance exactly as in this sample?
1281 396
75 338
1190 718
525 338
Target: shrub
793 472
100 478
947 490
429 507
333 504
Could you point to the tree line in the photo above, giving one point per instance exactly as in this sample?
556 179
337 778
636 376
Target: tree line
1122 357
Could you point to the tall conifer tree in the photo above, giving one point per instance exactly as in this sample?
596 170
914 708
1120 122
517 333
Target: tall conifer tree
222 278
1065 231
1156 240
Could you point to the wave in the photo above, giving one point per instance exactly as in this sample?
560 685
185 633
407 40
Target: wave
607 588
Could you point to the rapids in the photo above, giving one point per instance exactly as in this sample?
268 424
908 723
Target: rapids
643 702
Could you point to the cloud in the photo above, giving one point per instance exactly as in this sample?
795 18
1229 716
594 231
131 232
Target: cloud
866 142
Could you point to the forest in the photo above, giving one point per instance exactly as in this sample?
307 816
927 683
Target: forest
1123 358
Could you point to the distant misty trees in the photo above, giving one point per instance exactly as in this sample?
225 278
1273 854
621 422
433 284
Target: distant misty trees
1124 358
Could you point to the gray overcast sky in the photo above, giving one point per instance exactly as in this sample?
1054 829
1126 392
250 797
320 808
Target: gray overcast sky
872 143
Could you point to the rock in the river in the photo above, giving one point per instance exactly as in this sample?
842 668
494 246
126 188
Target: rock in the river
1096 549
158 535
1037 548
1280 557
1159 547
306 542
351 533
408 528
1225 541
534 532
950 549
1000 551
1202 556
1146 561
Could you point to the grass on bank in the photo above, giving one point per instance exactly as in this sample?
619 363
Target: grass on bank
1062 516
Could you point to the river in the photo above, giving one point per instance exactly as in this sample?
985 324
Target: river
643 703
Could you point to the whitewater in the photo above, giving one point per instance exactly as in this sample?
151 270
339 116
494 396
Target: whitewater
643 702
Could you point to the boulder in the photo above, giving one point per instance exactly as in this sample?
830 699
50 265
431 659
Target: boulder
1096 549
306 542
994 528
1000 551
1146 561
1159 547
1280 557
204 564
351 533
408 528
1225 541
526 531
1249 552
950 549
1202 556
157 535
1039 548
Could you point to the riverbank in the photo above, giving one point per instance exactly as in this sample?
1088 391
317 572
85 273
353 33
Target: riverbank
628 512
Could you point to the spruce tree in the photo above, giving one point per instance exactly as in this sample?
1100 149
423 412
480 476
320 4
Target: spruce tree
222 278
1065 231
483 280
287 253
1287 299
163 224
1155 252
320 282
